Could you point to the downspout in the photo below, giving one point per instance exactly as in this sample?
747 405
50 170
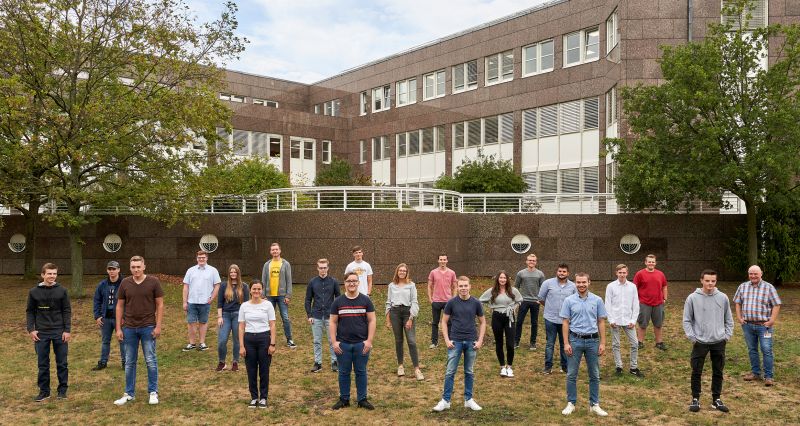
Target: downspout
689 12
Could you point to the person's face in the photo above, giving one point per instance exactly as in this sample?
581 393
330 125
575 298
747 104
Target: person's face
463 289
256 290
351 283
233 274
322 268
113 273
622 275
502 279
358 255
562 274
582 283
137 268
202 259
709 282
275 251
49 276
650 264
442 261
531 262
754 274
402 273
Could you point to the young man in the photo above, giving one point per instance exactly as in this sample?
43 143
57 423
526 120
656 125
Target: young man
277 277
49 321
584 322
551 296
200 287
362 269
622 304
757 307
320 294
140 310
441 288
460 336
708 324
651 285
105 313
529 281
352 329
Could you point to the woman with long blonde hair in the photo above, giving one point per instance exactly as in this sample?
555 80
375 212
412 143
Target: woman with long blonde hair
401 310
233 292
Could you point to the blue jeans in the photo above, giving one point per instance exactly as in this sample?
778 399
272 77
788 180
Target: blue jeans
230 325
106 333
197 313
754 337
131 339
319 328
352 358
553 330
453 356
279 303
588 348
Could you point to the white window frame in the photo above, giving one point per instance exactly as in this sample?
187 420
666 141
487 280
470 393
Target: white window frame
612 32
612 114
404 93
382 95
437 85
317 109
383 151
326 152
230 97
463 69
265 102
537 51
582 35
363 103
502 76
362 152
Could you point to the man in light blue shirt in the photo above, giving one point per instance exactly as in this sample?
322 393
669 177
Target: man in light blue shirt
200 287
583 325
551 295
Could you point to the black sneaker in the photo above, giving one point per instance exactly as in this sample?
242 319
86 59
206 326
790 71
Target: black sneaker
641 345
291 344
99 366
341 403
62 394
364 403
189 347
719 405
202 347
547 371
316 368
661 345
335 366
636 372
695 405
253 403
41 397
618 372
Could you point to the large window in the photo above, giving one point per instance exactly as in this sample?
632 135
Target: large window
465 76
537 58
423 141
381 149
581 46
301 148
246 142
406 92
332 108
612 35
560 119
500 67
380 98
434 85
486 131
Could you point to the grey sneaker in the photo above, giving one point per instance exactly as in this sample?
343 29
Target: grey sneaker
189 347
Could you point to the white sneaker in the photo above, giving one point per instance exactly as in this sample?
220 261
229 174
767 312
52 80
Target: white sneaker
153 398
441 406
125 398
503 372
568 409
472 405
509 371
597 410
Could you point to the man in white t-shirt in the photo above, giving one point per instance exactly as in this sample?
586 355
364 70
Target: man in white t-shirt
362 269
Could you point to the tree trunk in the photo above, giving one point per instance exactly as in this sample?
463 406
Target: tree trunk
76 256
31 232
752 233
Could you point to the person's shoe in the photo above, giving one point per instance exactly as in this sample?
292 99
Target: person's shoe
532 348
41 397
364 403
568 409
749 377
595 409
561 370
262 403
316 368
235 366
153 398
341 403
253 403
335 366
291 344
418 375
641 345
99 366
441 406
221 366
618 372
472 405
547 371
202 347
636 372
503 372
509 372
769 381
62 394
516 345
400 371
695 405
124 400
661 346
189 347
432 346
719 405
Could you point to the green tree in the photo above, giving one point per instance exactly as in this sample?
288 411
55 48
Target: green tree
339 173
719 122
113 94
483 175
247 177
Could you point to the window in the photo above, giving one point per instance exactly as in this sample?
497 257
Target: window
326 152
591 113
240 142
612 35
308 152
465 76
296 148
380 98
458 135
381 149
758 15
548 121
590 180
317 109
570 181
440 138
406 92
363 103
537 58
434 85
591 44
473 133
275 147
611 106
362 152
259 144
402 145
581 46
231 97
548 182
506 128
264 102
500 67
302 148
529 125
413 143
570 117
331 108
427 140
490 132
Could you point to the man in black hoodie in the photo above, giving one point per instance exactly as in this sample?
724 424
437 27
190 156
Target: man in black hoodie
49 318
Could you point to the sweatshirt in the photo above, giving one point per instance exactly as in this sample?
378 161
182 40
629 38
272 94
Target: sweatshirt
707 318
49 310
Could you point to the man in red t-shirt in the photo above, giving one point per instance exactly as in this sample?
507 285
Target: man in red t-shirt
441 288
652 287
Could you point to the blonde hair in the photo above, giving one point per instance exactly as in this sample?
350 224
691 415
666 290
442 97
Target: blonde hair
396 278
234 282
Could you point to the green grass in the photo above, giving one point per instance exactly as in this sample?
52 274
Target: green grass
192 393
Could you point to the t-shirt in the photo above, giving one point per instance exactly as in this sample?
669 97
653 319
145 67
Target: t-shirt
256 316
442 284
363 270
649 285
461 326
201 283
275 276
139 301
112 300
352 325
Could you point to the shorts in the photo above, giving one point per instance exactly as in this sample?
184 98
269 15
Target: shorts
647 312
198 312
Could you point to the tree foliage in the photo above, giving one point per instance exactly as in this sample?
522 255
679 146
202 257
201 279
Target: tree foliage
719 122
483 175
340 173
247 177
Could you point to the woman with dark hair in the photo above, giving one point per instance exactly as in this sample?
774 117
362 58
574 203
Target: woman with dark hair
233 293
503 299
257 341
401 310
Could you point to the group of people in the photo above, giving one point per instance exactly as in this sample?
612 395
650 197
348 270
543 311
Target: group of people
132 308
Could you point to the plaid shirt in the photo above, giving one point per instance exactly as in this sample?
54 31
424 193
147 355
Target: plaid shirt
757 301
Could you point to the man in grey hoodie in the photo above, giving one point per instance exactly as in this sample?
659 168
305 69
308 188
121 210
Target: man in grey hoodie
708 323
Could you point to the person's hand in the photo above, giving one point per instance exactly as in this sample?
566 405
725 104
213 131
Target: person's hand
271 349
430 298
568 349
449 343
409 323
367 347
631 325
336 348
478 344
156 332
208 302
612 325
66 337
242 351
388 322
601 349
286 300
769 323
120 335
185 306
99 321
219 322
740 320
35 335
311 320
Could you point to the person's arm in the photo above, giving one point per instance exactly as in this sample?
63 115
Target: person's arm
610 302
369 285
289 282
30 317
265 273
774 317
542 294
565 333
664 293
739 317
486 296
601 328
414 303
185 296
333 324
309 301
728 321
453 286
371 325
688 319
214 293
445 319
118 313
517 280
66 317
481 331
430 287
634 308
242 350
271 348
159 316
97 305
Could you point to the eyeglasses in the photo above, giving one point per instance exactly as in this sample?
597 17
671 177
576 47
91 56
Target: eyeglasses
322 267
351 281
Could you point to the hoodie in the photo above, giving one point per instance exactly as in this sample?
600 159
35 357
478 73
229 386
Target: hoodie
49 310
707 318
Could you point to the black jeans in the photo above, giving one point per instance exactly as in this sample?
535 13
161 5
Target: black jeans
524 307
436 314
257 360
502 325
699 352
398 316
43 355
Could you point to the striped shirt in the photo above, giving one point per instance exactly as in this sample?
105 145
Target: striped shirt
352 325
756 301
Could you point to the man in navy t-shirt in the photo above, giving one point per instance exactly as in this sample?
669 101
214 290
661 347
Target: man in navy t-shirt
352 328
460 335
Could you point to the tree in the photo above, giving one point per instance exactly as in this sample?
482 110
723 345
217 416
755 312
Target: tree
719 122
112 95
339 173
483 175
247 177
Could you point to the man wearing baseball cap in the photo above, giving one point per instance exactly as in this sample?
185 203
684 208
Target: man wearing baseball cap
105 304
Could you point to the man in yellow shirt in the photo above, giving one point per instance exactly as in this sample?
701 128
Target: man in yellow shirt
277 274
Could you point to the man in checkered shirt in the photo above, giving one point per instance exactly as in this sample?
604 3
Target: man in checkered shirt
757 307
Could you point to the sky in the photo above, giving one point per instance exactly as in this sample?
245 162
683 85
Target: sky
309 40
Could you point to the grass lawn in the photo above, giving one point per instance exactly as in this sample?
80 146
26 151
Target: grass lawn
192 393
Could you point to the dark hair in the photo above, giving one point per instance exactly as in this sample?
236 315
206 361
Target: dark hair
583 274
496 288
708 272
355 249
254 282
563 266
49 266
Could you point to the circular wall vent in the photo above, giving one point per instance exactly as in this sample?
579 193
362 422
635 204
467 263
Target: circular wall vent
112 243
209 243
630 244
17 243
520 244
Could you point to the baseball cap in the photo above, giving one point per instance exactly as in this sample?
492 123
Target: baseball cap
113 264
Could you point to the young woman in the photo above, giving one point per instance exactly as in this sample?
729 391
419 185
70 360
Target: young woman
503 299
233 293
257 341
401 310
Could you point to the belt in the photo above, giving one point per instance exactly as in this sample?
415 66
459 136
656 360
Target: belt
585 336
756 322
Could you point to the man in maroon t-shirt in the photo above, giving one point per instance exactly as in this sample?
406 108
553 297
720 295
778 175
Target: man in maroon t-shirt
652 287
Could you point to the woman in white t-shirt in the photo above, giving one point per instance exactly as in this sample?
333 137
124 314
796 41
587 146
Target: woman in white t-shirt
257 342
